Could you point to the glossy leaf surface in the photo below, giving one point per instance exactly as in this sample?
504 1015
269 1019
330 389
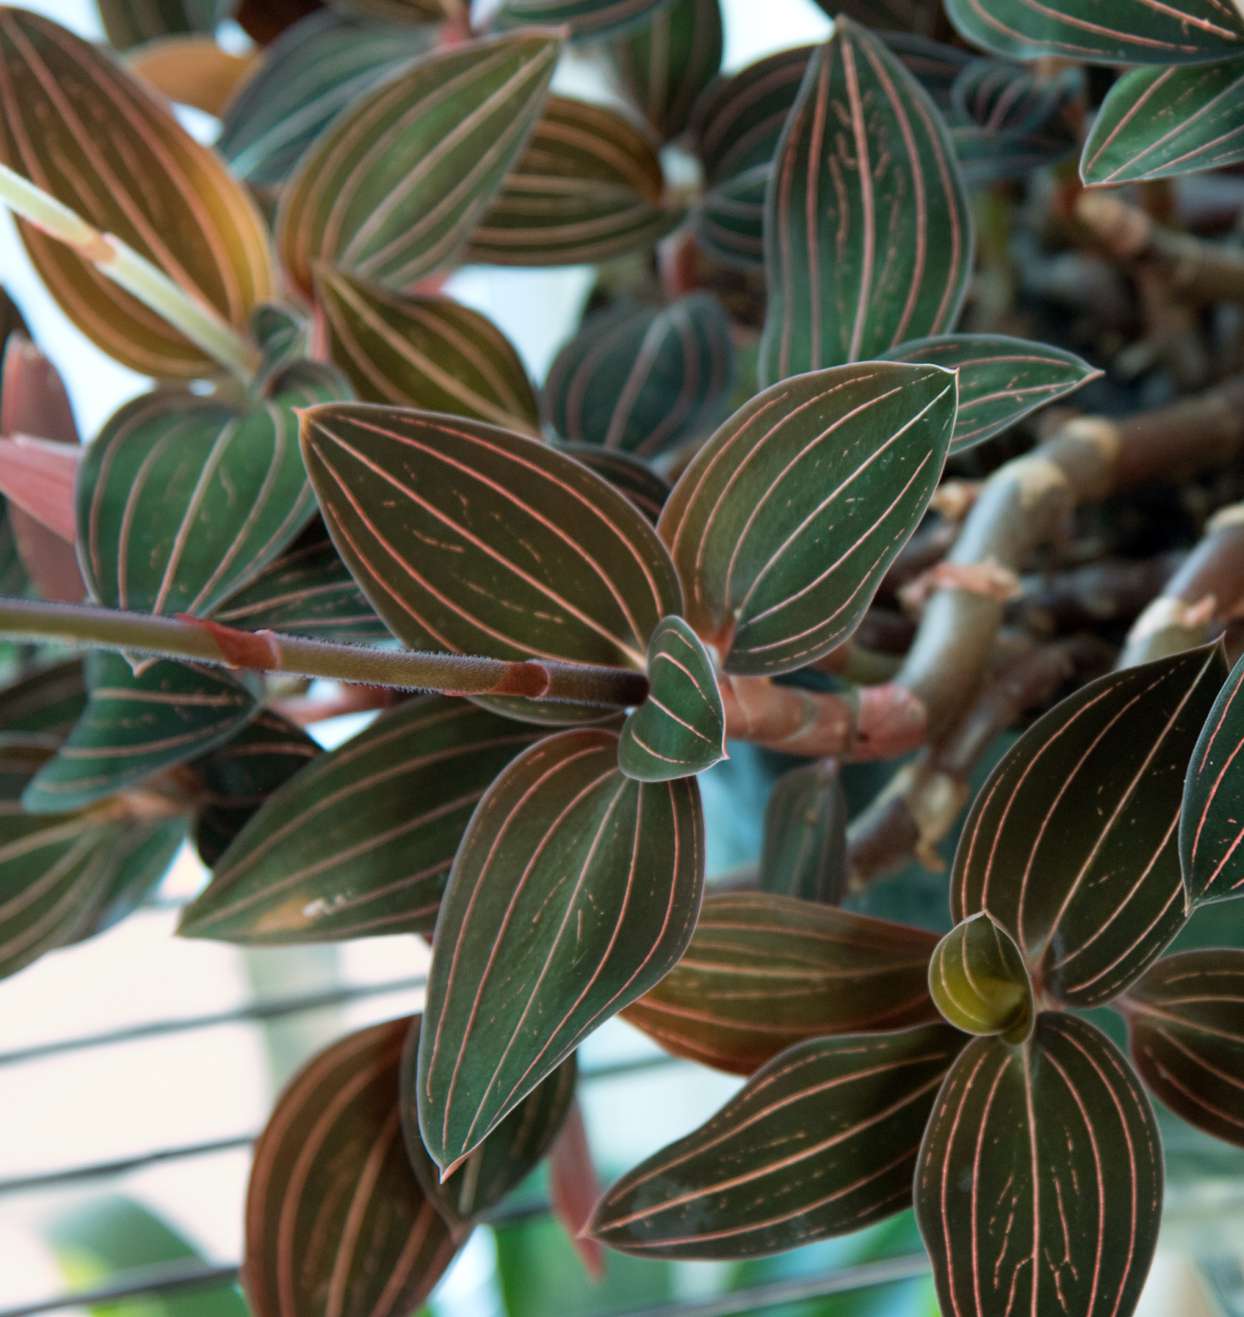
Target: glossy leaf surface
426 352
805 844
1113 32
1071 843
361 841
785 521
820 1142
868 235
1159 123
1186 1019
584 18
979 982
335 1219
79 127
1001 379
642 379
574 892
1039 1185
1211 828
392 189
680 729
765 971
476 540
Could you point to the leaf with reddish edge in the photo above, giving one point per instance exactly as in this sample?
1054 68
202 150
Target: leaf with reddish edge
1114 32
506 1157
584 18
978 979
575 891
575 1189
629 475
336 1221
392 190
1001 380
820 1142
868 232
1211 829
1164 122
1039 1186
766 971
1186 1022
786 520
805 843
460 535
1071 842
360 842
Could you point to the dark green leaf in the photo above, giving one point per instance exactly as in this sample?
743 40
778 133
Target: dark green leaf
1158 123
505 1158
805 846
46 702
407 11
1001 380
425 352
136 858
764 971
979 981
308 77
1110 32
575 890
129 24
361 841
588 187
934 65
1071 842
680 729
786 520
134 726
921 16
664 65
336 1222
868 235
643 379
584 18
1186 1020
820 1142
1039 1188
475 540
393 188
629 475
1211 828
730 221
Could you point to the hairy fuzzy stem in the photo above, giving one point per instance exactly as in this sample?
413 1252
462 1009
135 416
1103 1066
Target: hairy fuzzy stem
266 651
200 323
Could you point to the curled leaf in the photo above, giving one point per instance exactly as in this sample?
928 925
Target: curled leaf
979 981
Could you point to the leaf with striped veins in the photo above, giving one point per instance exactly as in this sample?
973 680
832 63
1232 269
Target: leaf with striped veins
360 842
820 1142
128 24
336 1221
394 187
1211 827
584 18
1039 1185
1186 1029
764 972
574 892
1164 122
1111 32
979 982
46 702
680 729
1001 380
460 534
785 521
868 232
631 476
1071 843
805 839
643 379
82 129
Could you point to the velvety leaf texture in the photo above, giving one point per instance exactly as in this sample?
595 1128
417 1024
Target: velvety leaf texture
680 729
392 190
786 520
476 540
1186 1019
1160 123
1211 828
820 1142
805 843
335 1219
78 126
765 971
643 379
978 979
361 841
730 220
584 18
868 234
575 891
630 476
1039 1187
1071 843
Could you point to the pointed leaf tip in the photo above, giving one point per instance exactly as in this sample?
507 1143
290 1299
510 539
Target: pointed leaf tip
979 981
